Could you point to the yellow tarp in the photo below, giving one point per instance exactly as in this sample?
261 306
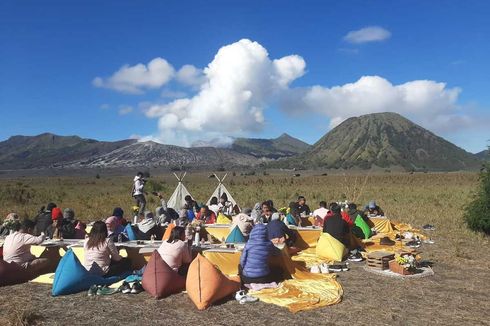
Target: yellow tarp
219 233
307 238
381 225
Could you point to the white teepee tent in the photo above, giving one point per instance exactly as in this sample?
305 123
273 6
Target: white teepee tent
177 200
220 189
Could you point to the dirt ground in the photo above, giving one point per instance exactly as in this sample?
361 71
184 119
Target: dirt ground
456 294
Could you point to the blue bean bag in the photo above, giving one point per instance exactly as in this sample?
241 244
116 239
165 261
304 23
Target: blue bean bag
128 230
235 236
71 277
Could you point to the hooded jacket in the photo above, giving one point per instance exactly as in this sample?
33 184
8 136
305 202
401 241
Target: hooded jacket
138 186
255 255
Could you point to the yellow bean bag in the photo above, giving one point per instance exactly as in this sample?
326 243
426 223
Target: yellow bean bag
330 248
205 284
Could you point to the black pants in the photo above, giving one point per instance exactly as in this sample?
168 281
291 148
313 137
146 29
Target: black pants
118 267
141 203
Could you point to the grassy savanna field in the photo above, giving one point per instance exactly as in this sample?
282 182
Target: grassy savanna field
458 293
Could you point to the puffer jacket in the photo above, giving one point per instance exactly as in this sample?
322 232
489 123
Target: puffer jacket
255 255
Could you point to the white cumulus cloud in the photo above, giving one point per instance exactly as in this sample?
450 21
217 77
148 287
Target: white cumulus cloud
135 79
367 34
190 76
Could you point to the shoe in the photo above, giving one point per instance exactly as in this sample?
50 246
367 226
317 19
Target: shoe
429 227
125 288
104 290
324 268
239 295
355 257
315 269
137 288
386 241
413 244
248 298
335 268
92 291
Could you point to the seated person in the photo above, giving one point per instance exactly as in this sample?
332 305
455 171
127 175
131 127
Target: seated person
244 223
54 230
301 207
278 232
113 231
206 216
213 205
119 214
320 214
176 251
270 203
293 217
225 206
373 210
336 226
69 224
191 203
266 214
44 219
101 255
17 249
164 214
254 261
256 213
8 223
147 227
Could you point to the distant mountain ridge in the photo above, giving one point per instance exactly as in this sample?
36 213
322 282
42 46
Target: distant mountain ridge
385 140
282 146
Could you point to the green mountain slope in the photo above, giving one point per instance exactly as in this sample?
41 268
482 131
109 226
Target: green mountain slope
283 146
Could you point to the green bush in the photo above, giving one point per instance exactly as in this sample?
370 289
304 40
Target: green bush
477 212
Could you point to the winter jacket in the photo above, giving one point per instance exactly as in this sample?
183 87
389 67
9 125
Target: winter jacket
146 228
43 222
336 227
138 186
277 229
255 255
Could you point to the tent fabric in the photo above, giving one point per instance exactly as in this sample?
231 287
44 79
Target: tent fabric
220 189
330 248
235 236
12 273
205 284
71 277
366 230
222 219
177 200
159 279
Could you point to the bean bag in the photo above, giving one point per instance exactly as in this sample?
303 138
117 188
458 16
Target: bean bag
359 222
235 236
168 231
159 279
291 220
205 284
71 277
223 219
128 230
330 248
12 273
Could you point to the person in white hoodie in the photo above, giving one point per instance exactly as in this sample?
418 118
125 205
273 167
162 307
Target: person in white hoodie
138 192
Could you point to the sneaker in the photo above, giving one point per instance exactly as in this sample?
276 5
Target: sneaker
315 269
413 244
248 298
137 288
92 291
104 290
125 288
324 268
355 257
429 227
239 295
335 268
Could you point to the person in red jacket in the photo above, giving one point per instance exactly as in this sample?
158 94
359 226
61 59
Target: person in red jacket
206 215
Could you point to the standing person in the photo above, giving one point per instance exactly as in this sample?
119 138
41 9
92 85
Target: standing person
176 251
101 255
17 249
43 220
138 192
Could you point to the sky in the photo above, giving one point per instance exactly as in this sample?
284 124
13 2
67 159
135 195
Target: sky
182 72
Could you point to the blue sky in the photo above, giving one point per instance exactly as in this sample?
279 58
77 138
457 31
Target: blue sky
51 52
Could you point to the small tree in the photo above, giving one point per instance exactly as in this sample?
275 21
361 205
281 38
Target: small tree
477 212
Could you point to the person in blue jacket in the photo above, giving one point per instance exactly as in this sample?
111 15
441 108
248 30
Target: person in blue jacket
254 267
278 232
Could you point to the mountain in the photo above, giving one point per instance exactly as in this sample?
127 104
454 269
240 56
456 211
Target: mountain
167 156
384 140
483 155
45 150
283 146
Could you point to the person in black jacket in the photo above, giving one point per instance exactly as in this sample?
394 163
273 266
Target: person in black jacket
43 220
336 226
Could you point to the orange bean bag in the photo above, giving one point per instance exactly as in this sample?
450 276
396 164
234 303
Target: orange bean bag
168 231
159 279
206 284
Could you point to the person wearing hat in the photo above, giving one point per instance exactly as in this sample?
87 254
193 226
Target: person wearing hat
373 210
43 220
8 223
278 232
147 227
54 230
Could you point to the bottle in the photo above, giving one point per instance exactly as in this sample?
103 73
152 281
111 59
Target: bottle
152 238
188 232
197 243
135 219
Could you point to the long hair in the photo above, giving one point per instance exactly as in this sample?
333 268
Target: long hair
97 235
176 234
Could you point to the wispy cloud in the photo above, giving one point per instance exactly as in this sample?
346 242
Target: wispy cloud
367 34
125 109
104 106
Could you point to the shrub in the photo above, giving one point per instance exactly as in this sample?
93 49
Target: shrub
477 212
